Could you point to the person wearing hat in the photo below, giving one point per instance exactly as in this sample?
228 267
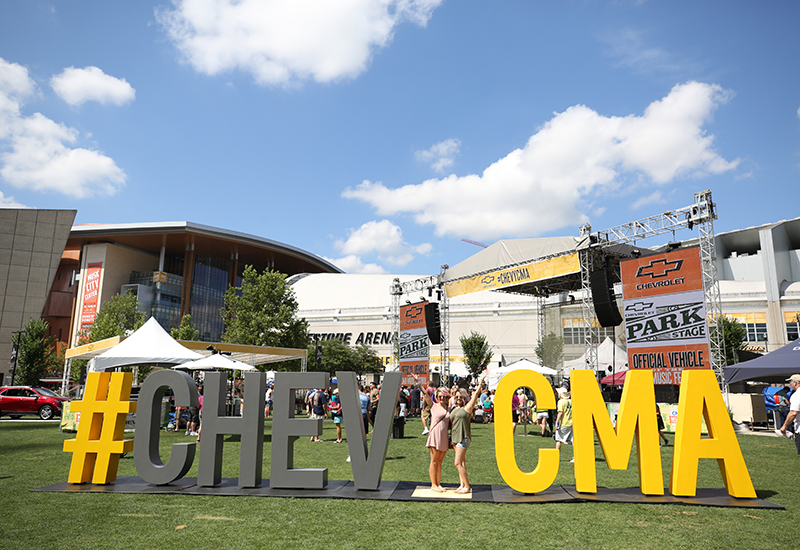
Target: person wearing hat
564 419
335 407
794 408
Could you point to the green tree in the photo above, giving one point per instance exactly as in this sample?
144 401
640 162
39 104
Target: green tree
335 355
119 316
365 360
550 350
476 352
36 355
263 312
185 330
733 333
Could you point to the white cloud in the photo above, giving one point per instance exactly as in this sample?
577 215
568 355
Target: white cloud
284 41
653 198
441 155
9 202
36 152
630 49
576 154
354 264
77 86
385 240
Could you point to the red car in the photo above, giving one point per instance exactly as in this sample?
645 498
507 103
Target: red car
16 401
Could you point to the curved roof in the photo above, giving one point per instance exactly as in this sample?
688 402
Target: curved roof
511 252
207 240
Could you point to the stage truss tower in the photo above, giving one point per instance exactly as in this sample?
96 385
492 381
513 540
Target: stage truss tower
432 285
701 214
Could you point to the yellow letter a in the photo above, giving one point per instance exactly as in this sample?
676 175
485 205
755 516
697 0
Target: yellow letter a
700 395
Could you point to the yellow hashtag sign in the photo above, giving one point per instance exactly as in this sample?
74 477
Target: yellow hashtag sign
98 444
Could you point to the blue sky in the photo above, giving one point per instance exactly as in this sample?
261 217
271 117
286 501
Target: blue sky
380 133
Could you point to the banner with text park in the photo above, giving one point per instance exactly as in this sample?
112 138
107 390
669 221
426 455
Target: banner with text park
665 314
414 343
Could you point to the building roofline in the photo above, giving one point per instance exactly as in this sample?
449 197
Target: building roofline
90 230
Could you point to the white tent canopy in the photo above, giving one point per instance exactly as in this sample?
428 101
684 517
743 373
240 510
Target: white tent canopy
149 345
493 378
215 362
608 353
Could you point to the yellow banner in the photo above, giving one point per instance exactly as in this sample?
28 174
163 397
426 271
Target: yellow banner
521 274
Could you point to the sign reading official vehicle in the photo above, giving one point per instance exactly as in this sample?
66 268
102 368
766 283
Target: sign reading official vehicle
666 324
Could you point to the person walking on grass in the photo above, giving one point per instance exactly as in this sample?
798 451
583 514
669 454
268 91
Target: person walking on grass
794 408
564 419
335 408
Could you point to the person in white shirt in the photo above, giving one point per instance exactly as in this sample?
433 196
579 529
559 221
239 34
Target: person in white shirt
794 409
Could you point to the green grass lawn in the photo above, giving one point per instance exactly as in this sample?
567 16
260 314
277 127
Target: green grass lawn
31 456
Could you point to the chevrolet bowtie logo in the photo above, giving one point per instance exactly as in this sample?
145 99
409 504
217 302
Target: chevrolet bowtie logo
638 306
659 268
413 311
487 279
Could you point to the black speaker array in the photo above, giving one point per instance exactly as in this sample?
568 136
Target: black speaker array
605 306
433 324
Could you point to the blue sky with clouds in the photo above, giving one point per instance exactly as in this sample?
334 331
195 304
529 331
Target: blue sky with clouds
380 133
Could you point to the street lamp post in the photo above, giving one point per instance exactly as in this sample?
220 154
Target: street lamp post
15 352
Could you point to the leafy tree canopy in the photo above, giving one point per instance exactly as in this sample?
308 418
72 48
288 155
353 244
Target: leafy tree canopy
119 316
35 354
263 312
185 330
733 333
336 355
550 350
476 352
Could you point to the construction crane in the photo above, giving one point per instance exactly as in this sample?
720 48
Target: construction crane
476 243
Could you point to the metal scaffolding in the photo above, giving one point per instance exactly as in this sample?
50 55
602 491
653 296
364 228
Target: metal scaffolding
702 214
432 285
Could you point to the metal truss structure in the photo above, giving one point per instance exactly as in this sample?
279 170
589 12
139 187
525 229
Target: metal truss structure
432 285
701 214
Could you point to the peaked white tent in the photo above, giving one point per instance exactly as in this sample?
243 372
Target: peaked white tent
215 362
149 345
608 353
493 378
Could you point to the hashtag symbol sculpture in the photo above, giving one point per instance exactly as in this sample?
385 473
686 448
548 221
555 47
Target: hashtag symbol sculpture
98 444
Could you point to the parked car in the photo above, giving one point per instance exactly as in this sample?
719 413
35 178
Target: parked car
16 401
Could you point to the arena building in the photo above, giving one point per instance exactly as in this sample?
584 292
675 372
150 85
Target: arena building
759 277
181 267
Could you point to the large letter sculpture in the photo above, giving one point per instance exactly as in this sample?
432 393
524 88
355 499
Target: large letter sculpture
250 426
367 463
145 448
547 468
700 395
637 416
286 429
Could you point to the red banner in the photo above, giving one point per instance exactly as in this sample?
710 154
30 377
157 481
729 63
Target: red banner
91 294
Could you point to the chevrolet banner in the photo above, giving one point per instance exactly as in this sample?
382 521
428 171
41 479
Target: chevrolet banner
666 325
521 274
414 343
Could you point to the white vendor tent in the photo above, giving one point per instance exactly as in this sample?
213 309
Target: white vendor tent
215 362
493 378
149 345
608 353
